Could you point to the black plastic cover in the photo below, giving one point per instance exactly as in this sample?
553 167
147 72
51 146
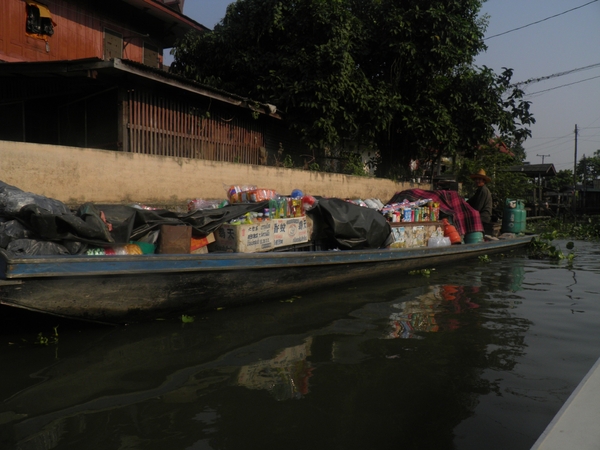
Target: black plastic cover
348 226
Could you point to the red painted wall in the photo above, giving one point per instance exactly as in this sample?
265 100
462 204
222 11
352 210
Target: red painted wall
79 33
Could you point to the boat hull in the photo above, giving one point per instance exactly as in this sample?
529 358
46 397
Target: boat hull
121 289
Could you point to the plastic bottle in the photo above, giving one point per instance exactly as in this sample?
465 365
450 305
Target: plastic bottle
273 208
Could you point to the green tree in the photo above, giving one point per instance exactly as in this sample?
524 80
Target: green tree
396 75
588 169
563 179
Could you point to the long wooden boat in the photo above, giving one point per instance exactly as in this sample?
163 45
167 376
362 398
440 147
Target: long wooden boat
121 289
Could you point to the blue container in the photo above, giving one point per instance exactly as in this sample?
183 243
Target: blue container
514 217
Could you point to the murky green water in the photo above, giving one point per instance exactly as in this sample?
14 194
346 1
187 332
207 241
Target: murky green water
478 355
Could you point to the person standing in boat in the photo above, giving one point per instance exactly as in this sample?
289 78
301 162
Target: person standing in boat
481 200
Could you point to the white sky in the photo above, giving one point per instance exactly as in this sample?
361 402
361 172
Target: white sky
560 44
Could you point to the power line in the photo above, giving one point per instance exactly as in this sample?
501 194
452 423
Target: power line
545 144
539 21
556 75
563 85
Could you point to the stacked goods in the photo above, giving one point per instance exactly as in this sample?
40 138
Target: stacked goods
251 219
424 210
128 249
198 204
249 194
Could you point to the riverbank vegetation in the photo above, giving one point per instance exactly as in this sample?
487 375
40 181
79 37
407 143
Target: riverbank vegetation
582 228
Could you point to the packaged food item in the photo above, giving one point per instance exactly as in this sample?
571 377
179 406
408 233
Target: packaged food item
239 194
127 249
95 252
249 194
260 195
308 202
199 204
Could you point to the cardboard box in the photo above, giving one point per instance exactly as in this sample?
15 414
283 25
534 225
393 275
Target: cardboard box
197 244
260 236
290 231
251 238
174 239
200 250
414 234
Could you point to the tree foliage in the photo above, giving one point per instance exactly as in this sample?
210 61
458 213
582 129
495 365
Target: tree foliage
394 74
588 168
562 180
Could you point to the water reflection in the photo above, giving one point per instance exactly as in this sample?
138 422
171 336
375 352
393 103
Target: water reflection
430 312
367 366
285 376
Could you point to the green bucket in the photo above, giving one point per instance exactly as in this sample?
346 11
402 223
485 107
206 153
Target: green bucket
474 238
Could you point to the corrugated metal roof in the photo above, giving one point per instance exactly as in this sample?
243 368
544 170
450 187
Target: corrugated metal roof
534 170
118 67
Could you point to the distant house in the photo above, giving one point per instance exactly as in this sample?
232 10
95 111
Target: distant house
90 74
539 175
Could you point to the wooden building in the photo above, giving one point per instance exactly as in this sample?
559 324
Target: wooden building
90 74
59 30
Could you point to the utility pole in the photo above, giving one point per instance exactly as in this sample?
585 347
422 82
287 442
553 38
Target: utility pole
575 172
575 160
542 156
584 200
540 181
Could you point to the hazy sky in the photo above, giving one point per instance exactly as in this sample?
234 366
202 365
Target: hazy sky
569 41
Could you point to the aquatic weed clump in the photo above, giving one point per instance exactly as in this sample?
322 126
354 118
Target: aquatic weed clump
542 247
585 228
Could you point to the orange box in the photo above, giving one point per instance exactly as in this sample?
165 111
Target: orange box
198 243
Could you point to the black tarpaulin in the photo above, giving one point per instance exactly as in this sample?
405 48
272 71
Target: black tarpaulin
103 225
349 226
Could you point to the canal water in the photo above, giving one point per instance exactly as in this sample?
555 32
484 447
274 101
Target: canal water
475 355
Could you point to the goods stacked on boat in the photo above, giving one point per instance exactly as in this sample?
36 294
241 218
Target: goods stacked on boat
415 223
251 219
282 222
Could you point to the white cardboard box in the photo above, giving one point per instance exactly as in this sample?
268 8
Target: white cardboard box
250 238
290 231
414 234
260 236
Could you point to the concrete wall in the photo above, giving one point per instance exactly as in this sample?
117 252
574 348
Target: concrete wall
75 176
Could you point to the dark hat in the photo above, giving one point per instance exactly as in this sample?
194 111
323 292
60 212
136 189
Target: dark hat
481 174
